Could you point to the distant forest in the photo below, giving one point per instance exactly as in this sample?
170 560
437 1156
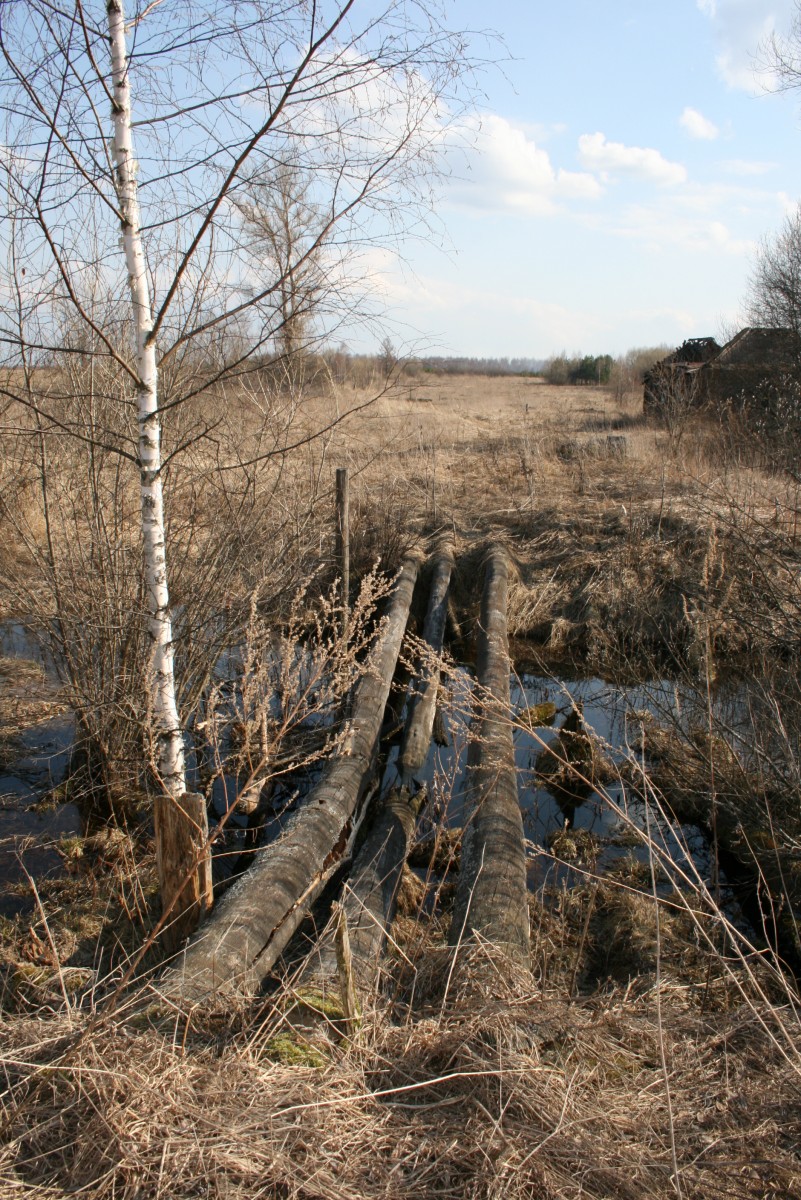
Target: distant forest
483 366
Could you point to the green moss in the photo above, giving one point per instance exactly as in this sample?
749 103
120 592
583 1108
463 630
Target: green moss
62 793
327 1006
574 845
283 1048
537 715
71 847
30 975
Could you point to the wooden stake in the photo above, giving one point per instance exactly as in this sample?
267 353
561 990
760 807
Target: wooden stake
343 541
347 988
184 863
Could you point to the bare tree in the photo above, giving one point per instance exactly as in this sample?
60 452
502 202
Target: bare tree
137 225
279 212
774 296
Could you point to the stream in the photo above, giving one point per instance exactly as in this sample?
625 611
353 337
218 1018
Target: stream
594 831
31 825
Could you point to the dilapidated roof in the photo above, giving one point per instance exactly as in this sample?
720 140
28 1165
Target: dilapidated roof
754 346
694 350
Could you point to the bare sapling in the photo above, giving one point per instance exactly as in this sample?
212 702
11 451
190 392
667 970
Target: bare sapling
182 844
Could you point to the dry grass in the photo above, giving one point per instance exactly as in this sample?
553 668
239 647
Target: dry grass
527 1096
638 1043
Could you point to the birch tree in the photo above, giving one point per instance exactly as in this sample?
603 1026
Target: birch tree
171 765
128 145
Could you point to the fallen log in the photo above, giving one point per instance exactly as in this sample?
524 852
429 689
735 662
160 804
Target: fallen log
369 901
491 901
259 914
368 905
423 706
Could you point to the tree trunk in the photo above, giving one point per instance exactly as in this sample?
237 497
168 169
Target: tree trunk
417 734
170 747
184 864
261 911
491 897
183 853
370 895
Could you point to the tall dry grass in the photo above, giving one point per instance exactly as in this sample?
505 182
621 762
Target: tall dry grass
653 1052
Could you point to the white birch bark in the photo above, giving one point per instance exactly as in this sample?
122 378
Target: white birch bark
170 749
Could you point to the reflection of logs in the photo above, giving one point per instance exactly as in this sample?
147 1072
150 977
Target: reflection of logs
258 915
564 768
491 896
572 766
423 706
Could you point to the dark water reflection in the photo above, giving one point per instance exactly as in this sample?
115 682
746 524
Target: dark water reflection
615 814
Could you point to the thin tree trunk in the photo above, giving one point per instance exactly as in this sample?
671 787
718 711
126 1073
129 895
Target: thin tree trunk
491 895
170 748
343 541
417 734
259 914
181 841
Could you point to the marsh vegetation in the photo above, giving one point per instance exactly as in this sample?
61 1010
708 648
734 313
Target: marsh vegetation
653 608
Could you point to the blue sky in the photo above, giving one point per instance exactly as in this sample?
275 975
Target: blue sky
627 163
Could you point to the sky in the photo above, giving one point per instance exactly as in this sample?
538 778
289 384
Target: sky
625 164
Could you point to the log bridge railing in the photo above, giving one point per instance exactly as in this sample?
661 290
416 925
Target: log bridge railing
242 939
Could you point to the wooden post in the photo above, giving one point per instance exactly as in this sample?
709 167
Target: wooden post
343 541
184 863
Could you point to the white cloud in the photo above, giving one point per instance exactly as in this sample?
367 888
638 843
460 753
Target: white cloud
745 166
741 27
613 158
507 171
663 229
698 126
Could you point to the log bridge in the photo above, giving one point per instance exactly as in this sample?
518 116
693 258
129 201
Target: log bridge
242 939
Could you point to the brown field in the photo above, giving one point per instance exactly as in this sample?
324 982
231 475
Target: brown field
655 1052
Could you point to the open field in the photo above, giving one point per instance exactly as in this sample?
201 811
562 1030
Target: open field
655 1050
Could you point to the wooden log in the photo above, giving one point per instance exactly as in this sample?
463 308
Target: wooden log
423 707
184 864
261 911
491 902
370 897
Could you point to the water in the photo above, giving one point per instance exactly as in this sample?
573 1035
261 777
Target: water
613 814
30 831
